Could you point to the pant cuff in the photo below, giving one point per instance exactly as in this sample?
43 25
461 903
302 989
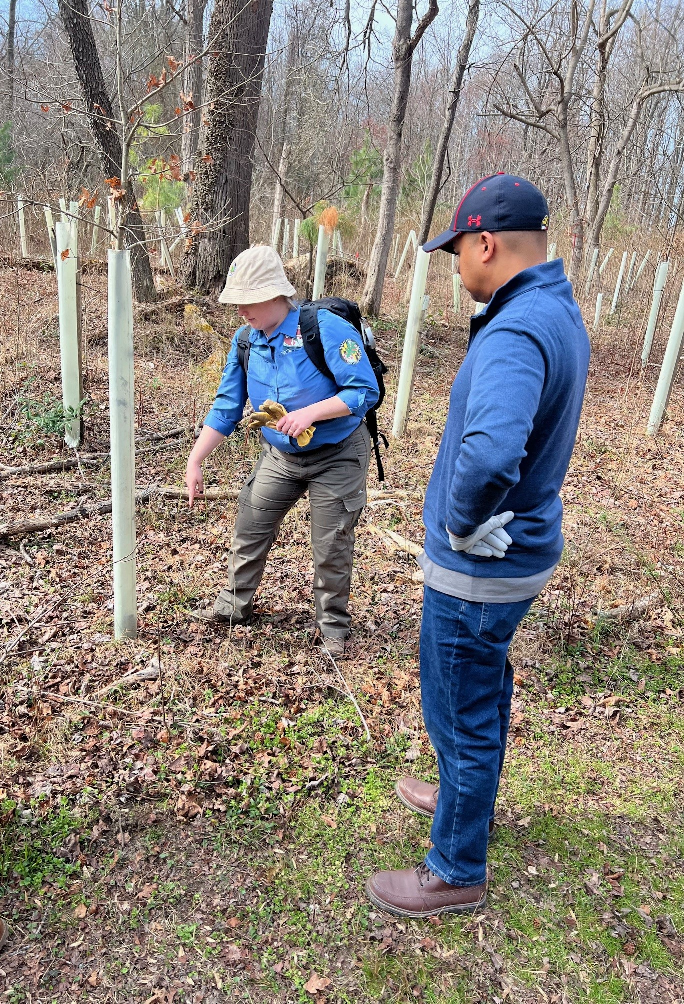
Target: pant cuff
448 877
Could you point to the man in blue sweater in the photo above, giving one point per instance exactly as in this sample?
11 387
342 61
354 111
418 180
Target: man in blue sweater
513 415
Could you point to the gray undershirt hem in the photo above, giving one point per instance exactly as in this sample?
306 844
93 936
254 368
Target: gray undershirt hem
482 590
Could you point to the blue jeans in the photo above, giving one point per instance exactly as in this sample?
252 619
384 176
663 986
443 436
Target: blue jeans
466 686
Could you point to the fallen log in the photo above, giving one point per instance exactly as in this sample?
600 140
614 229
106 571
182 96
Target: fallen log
23 528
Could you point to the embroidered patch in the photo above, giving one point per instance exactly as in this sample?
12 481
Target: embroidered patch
350 351
545 223
293 341
233 268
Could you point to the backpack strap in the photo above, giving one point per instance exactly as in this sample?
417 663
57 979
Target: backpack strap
243 347
311 338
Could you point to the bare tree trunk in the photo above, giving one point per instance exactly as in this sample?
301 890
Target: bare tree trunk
365 202
285 117
403 47
192 82
221 193
280 181
101 118
611 178
11 33
455 86
597 126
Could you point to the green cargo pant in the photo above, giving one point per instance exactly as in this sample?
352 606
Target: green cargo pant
335 477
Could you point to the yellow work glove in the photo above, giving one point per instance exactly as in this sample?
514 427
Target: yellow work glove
270 414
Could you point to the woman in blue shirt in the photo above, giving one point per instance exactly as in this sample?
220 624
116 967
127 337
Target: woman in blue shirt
332 466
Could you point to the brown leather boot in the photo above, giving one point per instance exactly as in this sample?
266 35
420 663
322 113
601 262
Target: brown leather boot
417 795
421 797
418 892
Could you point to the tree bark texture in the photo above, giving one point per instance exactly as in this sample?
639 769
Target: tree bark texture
102 123
223 166
192 82
403 47
455 85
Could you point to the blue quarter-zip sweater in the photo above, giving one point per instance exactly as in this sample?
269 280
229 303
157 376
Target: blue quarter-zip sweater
513 415
280 370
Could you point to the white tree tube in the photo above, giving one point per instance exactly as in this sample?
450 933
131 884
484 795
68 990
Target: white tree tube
96 224
73 223
456 282
121 422
183 228
411 338
165 255
630 271
275 236
641 268
295 240
68 333
286 238
551 252
592 269
395 249
668 369
22 227
658 287
340 249
63 205
111 215
50 224
409 241
597 312
618 284
602 266
321 262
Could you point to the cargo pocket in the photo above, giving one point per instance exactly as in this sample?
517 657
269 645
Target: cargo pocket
355 501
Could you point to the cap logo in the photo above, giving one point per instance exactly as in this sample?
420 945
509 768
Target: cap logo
233 268
474 221
545 222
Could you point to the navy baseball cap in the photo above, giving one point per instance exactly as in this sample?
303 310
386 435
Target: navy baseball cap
497 202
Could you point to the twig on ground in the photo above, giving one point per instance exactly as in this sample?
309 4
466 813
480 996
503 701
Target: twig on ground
42 613
396 541
27 557
141 674
348 691
67 699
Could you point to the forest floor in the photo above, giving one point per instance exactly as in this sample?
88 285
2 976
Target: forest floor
205 834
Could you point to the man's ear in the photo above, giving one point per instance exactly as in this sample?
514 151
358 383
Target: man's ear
486 246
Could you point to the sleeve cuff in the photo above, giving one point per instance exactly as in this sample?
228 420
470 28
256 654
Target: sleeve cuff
355 400
214 421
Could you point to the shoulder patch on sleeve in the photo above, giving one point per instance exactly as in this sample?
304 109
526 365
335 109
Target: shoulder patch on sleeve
350 351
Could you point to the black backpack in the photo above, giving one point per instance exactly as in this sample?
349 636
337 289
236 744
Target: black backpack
311 337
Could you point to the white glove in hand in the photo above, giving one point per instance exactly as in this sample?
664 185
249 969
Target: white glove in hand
490 540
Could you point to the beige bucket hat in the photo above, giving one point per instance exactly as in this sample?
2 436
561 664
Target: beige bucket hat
256 275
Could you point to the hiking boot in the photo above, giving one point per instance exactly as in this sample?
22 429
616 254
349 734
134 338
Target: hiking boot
207 615
334 646
417 795
4 932
418 892
421 797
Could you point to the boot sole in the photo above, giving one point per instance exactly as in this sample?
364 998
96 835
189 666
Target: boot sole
398 911
410 805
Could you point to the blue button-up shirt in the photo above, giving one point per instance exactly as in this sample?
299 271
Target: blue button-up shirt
280 370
